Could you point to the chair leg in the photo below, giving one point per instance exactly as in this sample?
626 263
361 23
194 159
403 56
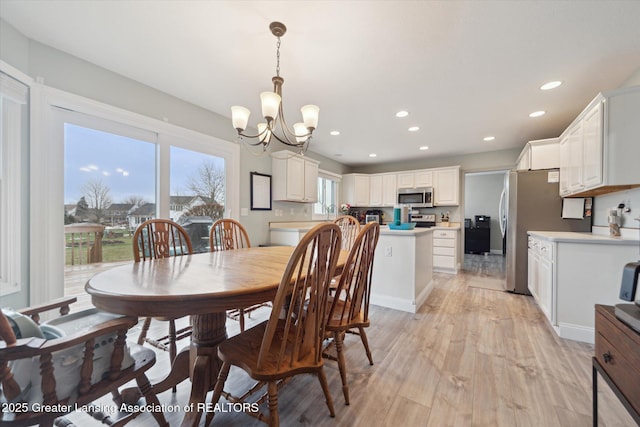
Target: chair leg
217 391
145 329
274 417
342 365
151 399
325 388
365 342
173 350
241 319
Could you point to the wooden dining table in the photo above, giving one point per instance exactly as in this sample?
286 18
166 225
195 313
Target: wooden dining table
203 286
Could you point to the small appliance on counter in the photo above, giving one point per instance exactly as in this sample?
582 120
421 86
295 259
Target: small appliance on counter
630 313
373 215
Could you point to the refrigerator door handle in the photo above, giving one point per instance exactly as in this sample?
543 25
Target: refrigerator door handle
501 209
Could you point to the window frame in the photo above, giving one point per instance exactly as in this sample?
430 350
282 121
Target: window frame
47 175
326 175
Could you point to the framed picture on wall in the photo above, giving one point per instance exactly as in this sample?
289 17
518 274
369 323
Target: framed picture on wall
260 191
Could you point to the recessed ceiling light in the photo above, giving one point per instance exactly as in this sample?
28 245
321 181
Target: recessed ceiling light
551 85
372 155
414 129
334 133
402 113
488 138
537 113
424 147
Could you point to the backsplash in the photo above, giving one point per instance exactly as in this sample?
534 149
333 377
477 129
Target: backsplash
631 199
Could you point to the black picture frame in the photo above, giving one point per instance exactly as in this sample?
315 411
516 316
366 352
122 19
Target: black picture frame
260 187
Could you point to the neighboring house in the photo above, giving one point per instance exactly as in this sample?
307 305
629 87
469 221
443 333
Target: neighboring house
118 213
141 214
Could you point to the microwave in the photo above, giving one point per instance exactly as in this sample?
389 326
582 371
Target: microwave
416 197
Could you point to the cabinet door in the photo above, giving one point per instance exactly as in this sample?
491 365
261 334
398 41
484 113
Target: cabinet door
446 187
295 179
593 146
424 179
545 287
389 190
575 158
405 180
375 190
310 181
524 163
361 190
565 165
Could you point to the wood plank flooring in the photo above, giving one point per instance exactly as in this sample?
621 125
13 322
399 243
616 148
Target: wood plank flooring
469 357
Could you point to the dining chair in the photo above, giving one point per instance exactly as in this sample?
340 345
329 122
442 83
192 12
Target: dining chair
349 306
350 227
290 341
229 234
161 238
50 370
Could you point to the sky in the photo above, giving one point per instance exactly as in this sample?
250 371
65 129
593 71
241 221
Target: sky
125 165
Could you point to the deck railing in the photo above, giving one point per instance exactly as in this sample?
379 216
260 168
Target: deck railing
84 243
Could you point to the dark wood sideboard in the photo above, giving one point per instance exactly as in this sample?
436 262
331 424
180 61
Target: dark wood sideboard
617 360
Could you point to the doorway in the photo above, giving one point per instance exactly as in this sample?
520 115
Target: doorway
483 240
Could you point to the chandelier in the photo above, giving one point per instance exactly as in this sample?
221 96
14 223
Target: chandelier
275 125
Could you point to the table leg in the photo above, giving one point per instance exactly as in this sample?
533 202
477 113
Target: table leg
208 330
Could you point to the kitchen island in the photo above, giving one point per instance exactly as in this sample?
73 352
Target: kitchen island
403 268
571 272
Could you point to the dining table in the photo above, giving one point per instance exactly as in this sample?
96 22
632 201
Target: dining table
203 286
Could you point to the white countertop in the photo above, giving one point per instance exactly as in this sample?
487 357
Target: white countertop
573 237
385 230
297 226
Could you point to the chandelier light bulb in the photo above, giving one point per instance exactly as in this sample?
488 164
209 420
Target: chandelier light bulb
264 134
240 117
301 131
270 104
310 116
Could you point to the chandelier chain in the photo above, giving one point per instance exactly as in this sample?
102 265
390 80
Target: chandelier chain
278 58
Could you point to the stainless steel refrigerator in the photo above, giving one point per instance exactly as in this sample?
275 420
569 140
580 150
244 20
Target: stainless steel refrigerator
530 203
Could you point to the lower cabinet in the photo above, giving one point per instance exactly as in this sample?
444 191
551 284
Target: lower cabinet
445 251
540 275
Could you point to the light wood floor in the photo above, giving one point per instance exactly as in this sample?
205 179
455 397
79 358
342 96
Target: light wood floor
469 357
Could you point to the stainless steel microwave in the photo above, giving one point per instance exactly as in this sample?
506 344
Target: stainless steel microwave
416 197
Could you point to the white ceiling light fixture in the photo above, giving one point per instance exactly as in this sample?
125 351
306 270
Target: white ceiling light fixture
488 138
334 133
424 147
551 85
402 113
414 129
373 155
272 111
537 113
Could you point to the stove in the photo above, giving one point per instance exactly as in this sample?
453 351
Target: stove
424 220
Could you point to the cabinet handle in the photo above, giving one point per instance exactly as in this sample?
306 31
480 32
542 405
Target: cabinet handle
607 357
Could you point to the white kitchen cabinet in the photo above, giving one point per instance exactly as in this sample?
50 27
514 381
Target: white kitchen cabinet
389 189
375 190
382 189
599 150
424 179
445 250
406 180
446 186
571 272
539 154
295 178
356 189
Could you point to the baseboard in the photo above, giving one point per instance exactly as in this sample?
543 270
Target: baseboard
402 304
576 332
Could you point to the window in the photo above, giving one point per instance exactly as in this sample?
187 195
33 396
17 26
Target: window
139 161
13 129
327 205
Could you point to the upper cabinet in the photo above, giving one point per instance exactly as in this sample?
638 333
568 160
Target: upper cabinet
383 189
415 179
540 154
356 189
295 177
446 186
599 151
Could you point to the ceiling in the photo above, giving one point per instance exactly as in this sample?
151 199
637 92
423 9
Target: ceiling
463 69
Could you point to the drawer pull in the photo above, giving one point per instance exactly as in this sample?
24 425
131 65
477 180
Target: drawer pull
607 357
